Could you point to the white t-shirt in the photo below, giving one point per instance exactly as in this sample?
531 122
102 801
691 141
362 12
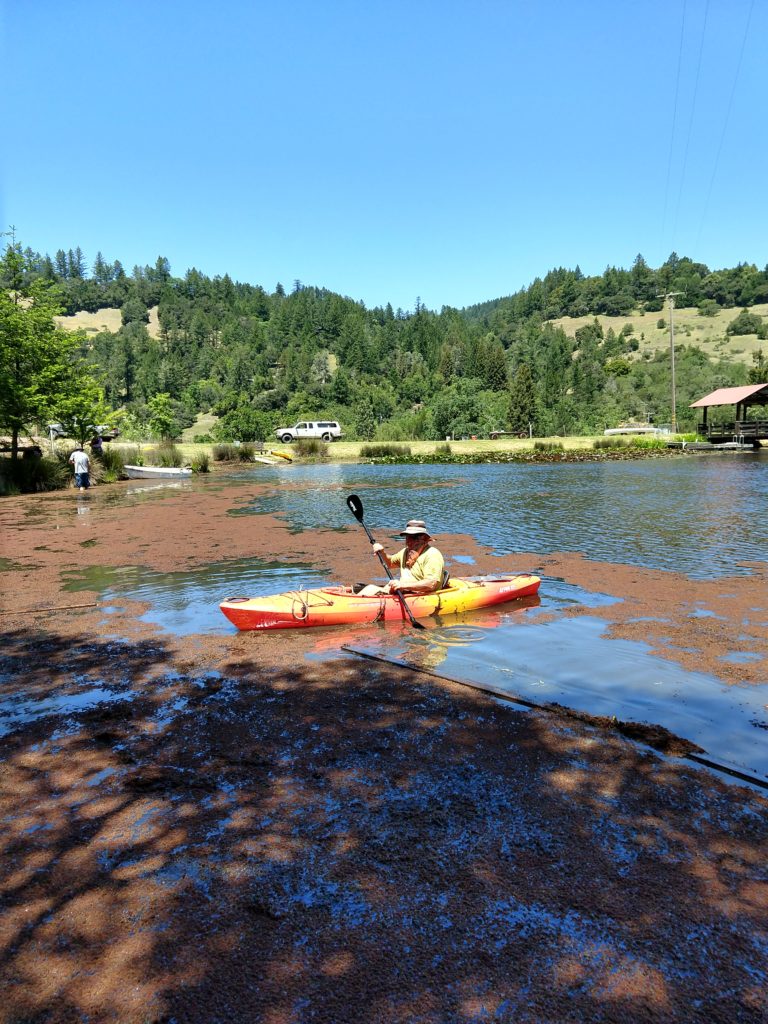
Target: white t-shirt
81 461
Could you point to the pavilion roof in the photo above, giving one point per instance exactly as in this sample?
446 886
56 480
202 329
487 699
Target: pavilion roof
730 396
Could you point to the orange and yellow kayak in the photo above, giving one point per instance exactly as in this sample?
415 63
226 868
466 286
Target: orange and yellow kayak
334 606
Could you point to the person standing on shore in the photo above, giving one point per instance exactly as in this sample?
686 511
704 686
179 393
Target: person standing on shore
421 565
82 464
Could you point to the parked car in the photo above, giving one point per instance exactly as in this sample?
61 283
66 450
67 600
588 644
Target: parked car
107 433
494 435
327 430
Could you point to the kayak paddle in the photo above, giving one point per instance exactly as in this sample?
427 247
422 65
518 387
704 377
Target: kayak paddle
356 508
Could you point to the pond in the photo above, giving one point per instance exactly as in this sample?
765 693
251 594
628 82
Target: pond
701 516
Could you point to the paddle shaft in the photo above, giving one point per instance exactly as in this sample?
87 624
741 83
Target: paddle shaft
381 557
356 507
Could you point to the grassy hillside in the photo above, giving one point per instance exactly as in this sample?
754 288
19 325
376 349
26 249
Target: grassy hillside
704 332
204 423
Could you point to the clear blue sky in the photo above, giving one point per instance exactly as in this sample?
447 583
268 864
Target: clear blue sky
387 150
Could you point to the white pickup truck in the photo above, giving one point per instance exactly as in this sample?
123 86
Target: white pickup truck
327 430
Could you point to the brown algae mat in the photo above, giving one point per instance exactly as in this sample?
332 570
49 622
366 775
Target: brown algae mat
212 828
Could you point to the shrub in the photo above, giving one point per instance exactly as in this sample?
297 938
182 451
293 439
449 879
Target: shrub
443 449
246 452
380 451
745 323
647 442
226 453
202 439
167 455
548 446
610 442
132 456
311 448
708 307
28 476
111 464
200 463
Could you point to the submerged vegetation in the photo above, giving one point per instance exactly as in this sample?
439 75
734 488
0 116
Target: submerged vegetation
540 451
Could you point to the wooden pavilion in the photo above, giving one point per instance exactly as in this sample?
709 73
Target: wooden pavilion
740 428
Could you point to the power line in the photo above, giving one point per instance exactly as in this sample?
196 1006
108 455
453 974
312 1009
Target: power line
690 123
674 124
705 208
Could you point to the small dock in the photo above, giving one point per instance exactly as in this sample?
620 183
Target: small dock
709 446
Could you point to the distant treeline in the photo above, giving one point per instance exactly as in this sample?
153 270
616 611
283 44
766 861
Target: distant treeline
259 358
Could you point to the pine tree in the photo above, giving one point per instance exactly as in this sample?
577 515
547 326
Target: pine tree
494 368
522 400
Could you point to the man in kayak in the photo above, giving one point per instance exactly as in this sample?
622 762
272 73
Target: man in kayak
421 565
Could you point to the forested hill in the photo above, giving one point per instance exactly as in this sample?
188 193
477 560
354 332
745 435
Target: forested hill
259 358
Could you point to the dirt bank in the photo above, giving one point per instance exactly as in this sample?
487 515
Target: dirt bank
233 833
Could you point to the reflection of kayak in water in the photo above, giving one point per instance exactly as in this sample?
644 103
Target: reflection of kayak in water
332 606
449 630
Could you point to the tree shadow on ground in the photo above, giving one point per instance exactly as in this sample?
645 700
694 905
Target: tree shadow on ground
355 843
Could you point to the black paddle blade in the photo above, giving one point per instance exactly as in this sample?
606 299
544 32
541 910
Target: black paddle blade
355 507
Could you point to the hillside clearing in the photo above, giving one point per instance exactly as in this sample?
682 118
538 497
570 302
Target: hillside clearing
107 319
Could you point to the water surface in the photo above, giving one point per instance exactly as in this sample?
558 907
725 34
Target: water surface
699 515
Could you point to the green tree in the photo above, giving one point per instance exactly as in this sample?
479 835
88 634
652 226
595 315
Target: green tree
162 418
642 280
759 372
522 400
365 420
134 311
37 360
101 271
243 423
457 411
494 369
80 406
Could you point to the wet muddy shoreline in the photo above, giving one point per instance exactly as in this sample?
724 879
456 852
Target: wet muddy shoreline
238 833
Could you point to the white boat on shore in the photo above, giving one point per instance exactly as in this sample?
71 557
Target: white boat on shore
156 472
636 429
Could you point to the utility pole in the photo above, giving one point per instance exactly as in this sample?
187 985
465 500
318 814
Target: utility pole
670 297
